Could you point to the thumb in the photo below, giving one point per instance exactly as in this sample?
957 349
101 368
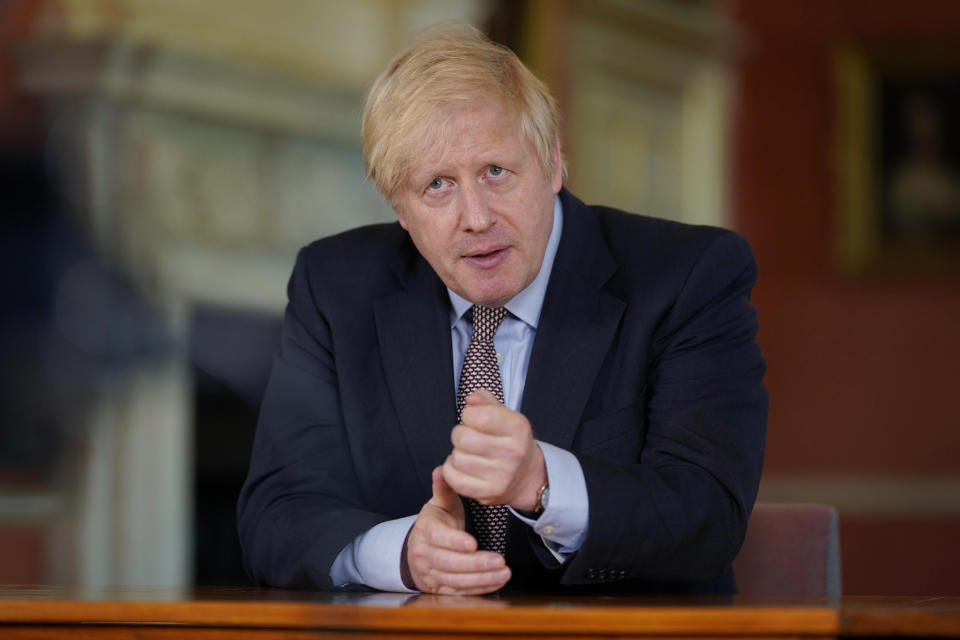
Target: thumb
443 496
481 397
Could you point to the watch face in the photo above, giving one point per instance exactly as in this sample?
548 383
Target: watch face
544 498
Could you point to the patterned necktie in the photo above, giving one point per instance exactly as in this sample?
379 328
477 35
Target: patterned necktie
481 371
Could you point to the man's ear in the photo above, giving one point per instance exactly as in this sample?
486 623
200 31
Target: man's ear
556 181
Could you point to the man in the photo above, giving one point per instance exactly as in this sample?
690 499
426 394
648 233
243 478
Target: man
610 397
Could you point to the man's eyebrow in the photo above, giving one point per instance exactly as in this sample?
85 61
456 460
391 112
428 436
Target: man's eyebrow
424 175
499 157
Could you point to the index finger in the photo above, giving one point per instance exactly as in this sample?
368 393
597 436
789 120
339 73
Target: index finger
494 420
439 534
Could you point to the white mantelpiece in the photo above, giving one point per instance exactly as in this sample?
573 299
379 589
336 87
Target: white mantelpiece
196 174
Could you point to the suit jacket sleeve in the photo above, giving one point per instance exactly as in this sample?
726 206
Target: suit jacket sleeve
677 511
300 504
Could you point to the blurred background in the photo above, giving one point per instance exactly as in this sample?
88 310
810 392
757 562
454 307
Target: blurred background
162 160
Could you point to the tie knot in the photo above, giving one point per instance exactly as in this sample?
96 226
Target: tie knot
486 320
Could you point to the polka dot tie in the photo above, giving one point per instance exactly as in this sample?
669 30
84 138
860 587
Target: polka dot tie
482 371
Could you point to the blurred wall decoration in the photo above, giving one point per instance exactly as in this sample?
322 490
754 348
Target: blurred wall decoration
162 160
898 157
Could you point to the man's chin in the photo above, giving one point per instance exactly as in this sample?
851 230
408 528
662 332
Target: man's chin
490 296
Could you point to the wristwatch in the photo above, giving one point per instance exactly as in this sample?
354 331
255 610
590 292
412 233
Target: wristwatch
543 497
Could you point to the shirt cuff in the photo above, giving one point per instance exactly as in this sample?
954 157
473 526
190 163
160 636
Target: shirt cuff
373 558
563 524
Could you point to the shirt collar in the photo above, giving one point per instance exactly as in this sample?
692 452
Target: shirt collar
527 304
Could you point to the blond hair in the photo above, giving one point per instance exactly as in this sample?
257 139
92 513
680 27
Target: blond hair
449 68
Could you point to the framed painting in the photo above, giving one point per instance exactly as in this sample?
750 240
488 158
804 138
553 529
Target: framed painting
898 160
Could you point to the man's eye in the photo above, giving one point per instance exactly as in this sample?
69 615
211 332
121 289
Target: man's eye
495 171
436 183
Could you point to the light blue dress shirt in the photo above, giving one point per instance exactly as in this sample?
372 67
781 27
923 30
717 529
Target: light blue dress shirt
373 558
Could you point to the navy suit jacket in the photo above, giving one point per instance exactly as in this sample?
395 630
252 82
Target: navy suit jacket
644 366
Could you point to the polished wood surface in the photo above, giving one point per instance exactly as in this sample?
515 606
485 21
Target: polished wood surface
382 614
905 617
53 612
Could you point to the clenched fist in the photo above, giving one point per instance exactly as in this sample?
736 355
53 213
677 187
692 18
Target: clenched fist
494 459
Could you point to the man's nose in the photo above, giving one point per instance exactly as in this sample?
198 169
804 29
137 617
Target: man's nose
475 211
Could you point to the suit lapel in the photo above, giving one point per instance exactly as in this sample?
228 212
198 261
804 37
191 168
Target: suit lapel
413 330
577 325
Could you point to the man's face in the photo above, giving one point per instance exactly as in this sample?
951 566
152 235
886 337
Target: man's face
479 208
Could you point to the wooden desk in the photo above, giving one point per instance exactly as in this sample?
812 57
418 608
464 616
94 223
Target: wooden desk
901 617
151 612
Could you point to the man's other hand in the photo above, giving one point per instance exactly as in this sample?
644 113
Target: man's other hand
495 459
441 557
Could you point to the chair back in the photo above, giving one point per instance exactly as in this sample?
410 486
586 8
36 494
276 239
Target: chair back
790 550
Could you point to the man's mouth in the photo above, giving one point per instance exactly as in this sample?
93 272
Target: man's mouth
488 257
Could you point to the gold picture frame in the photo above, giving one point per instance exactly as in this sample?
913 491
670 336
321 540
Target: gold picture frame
898 160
